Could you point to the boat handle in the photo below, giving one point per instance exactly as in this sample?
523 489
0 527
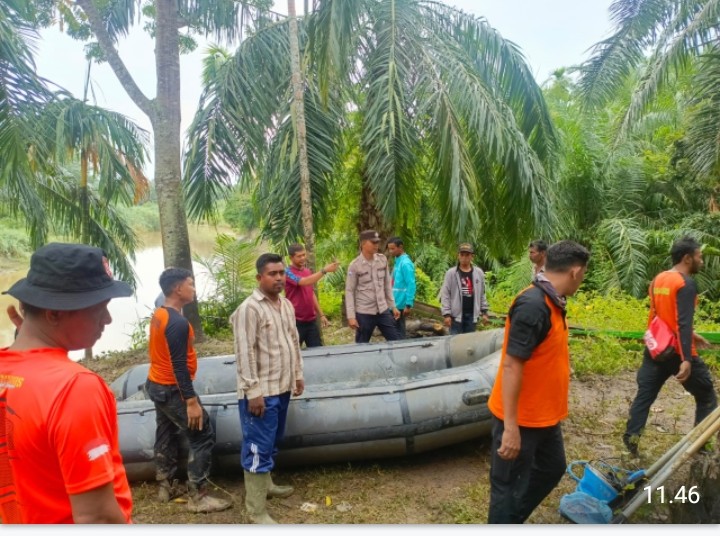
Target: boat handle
475 397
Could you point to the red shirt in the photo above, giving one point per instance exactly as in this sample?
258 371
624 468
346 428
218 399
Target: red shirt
58 437
302 298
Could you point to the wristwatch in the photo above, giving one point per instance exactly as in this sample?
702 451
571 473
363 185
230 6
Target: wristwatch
322 271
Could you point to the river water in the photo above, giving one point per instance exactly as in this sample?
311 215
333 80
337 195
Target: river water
126 312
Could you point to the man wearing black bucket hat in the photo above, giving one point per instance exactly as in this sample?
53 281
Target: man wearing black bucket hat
59 455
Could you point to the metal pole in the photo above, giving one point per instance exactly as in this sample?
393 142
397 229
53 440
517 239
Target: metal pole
670 467
689 437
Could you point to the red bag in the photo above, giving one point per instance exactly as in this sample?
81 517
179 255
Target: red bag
659 338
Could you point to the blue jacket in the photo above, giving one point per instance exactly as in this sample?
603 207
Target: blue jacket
403 282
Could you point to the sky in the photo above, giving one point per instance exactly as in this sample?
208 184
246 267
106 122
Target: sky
551 34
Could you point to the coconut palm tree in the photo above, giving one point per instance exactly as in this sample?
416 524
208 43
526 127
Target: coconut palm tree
113 149
172 24
21 93
662 39
439 95
44 134
629 201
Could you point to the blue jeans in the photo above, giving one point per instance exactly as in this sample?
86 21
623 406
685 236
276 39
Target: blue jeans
262 435
466 326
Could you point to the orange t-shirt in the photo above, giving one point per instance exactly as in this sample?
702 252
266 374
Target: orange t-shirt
171 336
545 386
664 302
58 437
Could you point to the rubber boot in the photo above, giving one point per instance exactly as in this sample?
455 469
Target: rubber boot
256 489
278 491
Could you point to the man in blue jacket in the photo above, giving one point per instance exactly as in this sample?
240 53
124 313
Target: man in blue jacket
403 279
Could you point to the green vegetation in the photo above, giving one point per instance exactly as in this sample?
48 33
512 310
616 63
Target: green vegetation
14 242
142 218
408 105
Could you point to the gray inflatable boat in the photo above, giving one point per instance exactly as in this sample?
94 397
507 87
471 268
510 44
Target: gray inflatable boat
361 401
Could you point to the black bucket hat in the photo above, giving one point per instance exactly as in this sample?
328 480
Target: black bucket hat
68 277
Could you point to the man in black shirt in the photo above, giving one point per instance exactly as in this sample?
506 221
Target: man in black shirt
179 412
673 298
529 399
462 295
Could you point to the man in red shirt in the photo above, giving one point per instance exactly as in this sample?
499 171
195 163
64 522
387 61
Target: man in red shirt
59 454
299 283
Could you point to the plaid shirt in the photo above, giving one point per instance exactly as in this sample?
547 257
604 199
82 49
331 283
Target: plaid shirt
267 348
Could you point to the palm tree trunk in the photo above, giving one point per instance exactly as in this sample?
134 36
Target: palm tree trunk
298 108
84 223
370 215
166 137
164 115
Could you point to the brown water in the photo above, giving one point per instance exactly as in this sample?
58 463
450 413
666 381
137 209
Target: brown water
126 312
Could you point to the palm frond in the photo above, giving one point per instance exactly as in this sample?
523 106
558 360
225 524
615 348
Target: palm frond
612 60
685 36
279 186
237 115
703 133
335 32
389 139
622 245
501 65
104 226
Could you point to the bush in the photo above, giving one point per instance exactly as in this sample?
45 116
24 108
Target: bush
331 303
602 354
143 218
613 311
14 244
239 212
427 290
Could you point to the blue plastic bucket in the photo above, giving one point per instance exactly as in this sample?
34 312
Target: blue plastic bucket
592 482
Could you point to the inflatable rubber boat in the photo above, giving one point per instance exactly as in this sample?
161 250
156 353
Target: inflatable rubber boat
361 401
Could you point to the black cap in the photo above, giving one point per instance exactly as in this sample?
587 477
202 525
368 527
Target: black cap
466 248
68 277
371 235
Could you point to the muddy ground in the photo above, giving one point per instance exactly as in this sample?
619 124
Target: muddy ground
446 486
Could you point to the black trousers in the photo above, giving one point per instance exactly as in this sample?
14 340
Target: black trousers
309 333
651 376
400 326
518 486
171 428
384 321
